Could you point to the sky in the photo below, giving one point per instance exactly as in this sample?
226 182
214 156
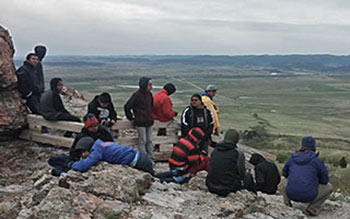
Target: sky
189 27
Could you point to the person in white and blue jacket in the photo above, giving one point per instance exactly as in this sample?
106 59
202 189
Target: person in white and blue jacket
110 152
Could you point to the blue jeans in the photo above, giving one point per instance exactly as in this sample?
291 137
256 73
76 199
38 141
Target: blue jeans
145 163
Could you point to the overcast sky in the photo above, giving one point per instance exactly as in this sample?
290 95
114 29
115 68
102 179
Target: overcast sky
232 27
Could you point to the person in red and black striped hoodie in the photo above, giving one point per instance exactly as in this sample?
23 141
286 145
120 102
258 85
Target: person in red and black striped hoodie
186 158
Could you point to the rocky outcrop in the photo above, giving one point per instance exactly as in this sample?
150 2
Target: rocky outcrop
12 110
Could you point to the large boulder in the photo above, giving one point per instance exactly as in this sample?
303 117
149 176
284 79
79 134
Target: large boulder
12 110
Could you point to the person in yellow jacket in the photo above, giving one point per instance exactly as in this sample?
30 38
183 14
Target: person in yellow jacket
207 99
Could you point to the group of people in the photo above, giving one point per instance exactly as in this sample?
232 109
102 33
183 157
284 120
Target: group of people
305 175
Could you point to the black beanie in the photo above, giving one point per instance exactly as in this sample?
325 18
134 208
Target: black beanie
170 88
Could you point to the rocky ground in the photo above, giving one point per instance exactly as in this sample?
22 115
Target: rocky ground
27 190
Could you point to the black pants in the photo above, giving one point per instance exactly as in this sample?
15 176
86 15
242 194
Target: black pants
67 117
145 163
33 103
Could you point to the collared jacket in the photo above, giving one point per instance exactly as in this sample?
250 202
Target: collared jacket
110 152
227 169
162 106
214 109
305 171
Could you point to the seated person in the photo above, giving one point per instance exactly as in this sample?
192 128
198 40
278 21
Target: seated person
306 178
102 107
51 105
110 152
186 158
91 129
227 167
267 176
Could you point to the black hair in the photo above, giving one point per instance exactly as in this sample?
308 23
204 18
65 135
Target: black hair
30 55
198 96
105 98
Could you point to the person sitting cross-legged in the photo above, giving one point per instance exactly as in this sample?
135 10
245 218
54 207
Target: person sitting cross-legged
110 152
186 158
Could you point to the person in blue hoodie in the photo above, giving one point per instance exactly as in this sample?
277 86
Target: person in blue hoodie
306 178
110 152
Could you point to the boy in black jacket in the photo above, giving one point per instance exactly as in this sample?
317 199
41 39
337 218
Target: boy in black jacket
102 107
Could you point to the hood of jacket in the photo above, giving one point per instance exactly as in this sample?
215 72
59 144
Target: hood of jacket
40 51
170 88
143 82
204 93
225 145
304 157
53 84
256 158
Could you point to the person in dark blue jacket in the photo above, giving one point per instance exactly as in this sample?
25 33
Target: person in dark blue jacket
110 152
306 178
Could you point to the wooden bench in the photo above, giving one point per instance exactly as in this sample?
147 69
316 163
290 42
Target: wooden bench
35 122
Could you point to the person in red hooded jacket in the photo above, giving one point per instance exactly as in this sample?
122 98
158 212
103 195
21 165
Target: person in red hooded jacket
162 105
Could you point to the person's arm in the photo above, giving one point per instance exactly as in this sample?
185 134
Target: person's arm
241 164
168 109
92 109
259 177
128 106
23 83
185 121
285 171
112 112
104 134
85 164
210 124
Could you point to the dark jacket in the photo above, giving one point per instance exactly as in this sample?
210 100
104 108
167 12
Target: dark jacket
227 169
110 152
267 176
102 113
40 51
51 105
102 133
26 80
304 170
192 117
141 103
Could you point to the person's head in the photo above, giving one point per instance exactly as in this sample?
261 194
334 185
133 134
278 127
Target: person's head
196 101
232 135
84 145
145 84
91 123
308 143
170 88
211 90
196 134
256 158
56 85
104 99
40 51
32 59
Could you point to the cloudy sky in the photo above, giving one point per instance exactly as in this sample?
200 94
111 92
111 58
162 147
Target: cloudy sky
127 27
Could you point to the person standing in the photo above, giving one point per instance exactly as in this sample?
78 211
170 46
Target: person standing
26 75
138 109
40 51
306 178
197 115
207 98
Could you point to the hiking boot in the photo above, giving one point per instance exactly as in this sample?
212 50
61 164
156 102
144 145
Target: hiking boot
311 212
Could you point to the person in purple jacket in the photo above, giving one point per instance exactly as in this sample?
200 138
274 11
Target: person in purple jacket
306 178
110 152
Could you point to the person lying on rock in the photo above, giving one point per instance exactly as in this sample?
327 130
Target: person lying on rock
91 128
267 176
110 152
227 167
186 158
306 178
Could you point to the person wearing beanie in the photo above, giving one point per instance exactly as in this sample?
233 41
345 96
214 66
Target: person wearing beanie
110 152
197 115
306 178
186 158
267 176
227 167
102 107
207 98
91 129
162 105
138 109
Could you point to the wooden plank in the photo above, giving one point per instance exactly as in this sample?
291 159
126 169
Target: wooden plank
162 155
38 121
46 138
126 124
155 140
